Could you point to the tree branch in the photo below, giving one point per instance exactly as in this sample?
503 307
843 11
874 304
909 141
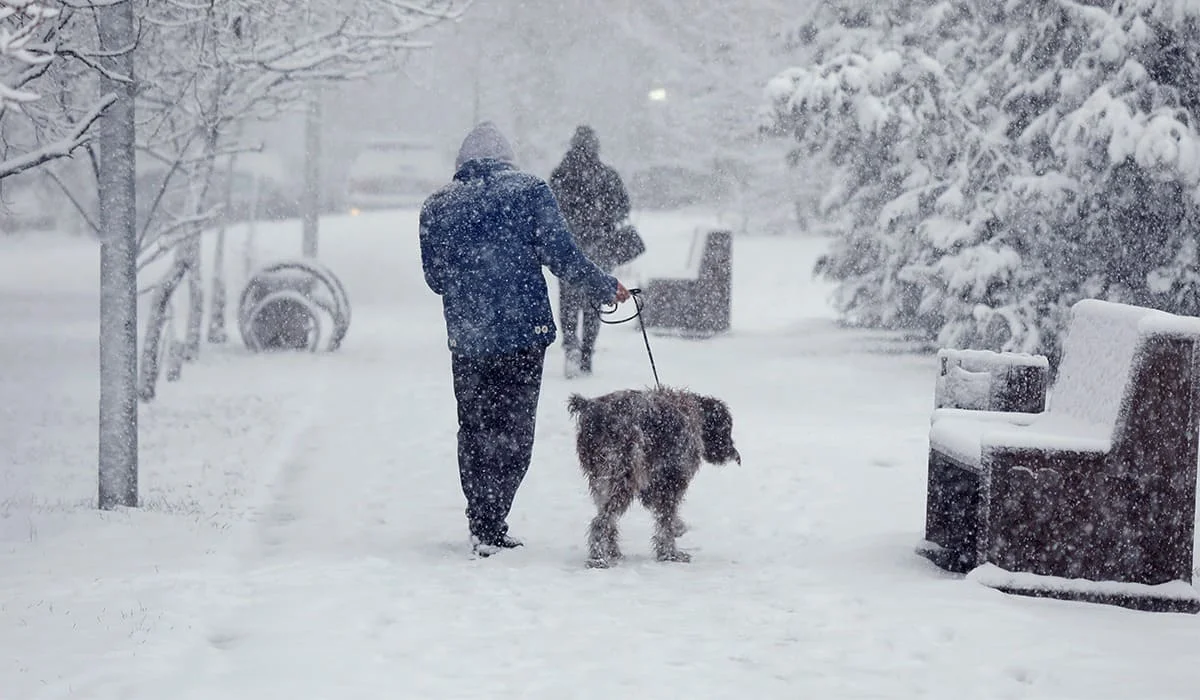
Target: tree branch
83 212
63 148
91 4
96 65
167 239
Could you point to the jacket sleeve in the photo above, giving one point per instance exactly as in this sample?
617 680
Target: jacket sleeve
557 250
433 260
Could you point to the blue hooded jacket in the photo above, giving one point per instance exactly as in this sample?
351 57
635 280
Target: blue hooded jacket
484 240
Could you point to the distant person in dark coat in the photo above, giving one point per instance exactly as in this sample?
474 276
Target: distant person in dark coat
594 202
484 240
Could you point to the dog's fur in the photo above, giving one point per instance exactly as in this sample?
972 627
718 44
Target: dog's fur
646 445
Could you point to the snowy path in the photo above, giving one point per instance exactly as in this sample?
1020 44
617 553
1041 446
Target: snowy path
356 578
340 570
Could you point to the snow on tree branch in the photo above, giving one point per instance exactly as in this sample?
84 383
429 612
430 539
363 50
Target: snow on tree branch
61 148
20 22
46 106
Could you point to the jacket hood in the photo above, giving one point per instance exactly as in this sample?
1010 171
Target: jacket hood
481 167
485 142
585 143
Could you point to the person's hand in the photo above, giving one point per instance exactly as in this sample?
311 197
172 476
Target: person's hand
622 293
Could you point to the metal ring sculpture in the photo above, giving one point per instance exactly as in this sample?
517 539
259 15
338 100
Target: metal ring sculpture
288 305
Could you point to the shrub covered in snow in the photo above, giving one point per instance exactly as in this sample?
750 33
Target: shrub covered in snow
1000 161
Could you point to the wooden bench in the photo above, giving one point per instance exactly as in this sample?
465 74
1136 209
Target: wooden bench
1093 498
699 306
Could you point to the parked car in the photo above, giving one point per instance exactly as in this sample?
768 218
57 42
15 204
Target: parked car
395 173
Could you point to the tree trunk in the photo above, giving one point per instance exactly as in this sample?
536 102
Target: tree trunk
154 348
118 420
248 252
216 314
191 252
195 314
312 173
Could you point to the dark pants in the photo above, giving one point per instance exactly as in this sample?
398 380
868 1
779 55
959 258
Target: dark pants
497 411
573 301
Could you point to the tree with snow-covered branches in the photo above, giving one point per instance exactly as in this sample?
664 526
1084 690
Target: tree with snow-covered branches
1068 167
31 39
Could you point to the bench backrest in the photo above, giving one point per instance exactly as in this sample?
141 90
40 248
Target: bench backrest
1100 356
715 259
709 253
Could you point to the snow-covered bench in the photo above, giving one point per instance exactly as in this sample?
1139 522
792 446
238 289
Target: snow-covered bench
1100 487
699 305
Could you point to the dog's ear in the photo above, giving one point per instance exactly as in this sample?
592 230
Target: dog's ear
717 432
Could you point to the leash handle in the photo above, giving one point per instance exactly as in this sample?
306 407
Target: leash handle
611 308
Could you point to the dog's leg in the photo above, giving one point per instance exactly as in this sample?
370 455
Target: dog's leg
678 527
603 547
667 526
613 498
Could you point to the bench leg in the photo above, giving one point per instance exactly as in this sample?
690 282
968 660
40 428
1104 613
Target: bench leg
952 515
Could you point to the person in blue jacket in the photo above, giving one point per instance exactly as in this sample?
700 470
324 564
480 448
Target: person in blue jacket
484 239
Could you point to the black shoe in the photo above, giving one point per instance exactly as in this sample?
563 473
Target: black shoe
486 547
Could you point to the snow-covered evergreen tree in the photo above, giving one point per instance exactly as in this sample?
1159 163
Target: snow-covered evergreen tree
1004 160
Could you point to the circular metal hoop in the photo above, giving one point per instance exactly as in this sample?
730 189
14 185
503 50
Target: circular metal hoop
312 290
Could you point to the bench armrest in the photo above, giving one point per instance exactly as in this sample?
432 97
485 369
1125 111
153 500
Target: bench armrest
986 380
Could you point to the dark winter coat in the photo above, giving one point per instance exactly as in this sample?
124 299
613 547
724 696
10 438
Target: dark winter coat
484 240
591 194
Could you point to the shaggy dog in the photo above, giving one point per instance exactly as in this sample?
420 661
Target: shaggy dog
646 445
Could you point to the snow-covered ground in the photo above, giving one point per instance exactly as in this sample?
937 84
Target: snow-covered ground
302 532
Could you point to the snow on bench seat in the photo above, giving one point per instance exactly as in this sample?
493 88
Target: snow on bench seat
964 439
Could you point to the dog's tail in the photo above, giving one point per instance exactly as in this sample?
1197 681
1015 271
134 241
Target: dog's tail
576 404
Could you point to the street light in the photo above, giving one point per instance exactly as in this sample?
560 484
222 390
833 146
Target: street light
657 95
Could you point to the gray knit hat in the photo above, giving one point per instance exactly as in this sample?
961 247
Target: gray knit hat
485 141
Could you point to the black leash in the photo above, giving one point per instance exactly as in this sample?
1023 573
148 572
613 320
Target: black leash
637 302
